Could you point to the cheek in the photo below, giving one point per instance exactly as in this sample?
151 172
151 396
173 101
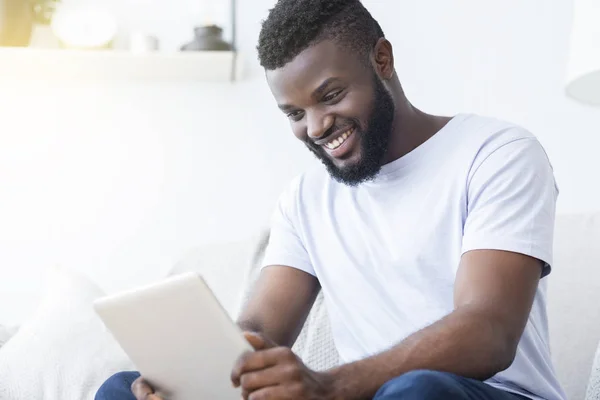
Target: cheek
299 131
356 107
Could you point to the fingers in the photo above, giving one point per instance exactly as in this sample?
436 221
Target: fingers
273 376
142 390
259 360
255 340
258 341
267 393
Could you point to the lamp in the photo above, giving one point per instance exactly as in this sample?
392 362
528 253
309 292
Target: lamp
583 71
83 27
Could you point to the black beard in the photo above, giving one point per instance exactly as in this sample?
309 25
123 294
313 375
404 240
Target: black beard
374 142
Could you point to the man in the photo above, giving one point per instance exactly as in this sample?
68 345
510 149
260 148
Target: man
430 236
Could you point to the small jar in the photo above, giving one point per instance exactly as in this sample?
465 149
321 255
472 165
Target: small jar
207 38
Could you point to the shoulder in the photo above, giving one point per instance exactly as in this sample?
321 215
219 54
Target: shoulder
508 155
489 134
496 139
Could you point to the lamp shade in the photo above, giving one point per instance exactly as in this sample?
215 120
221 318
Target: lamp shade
583 70
84 27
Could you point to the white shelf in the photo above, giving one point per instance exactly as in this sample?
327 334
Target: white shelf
114 65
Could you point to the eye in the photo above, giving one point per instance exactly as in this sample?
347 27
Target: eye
295 115
332 96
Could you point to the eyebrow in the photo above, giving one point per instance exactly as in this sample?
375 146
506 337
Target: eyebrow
317 92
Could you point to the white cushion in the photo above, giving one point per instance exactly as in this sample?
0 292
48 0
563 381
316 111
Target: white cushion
573 298
64 351
6 333
224 267
593 390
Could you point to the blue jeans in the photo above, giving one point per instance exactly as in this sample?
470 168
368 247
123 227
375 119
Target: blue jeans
425 385
118 387
416 385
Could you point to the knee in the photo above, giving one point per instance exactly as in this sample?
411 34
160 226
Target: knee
117 387
420 384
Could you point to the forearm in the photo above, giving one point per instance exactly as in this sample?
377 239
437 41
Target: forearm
464 343
279 304
276 333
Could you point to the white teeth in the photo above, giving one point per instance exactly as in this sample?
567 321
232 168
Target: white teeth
334 144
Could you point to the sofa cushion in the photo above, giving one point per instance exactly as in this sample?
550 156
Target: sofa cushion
63 352
573 298
593 390
225 267
6 333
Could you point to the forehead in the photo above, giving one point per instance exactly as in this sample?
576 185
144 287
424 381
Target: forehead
311 67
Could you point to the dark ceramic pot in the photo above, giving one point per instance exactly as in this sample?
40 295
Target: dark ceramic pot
207 38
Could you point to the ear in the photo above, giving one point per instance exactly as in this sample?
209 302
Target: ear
383 59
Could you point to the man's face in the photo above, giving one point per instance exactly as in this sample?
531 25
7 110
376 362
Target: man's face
338 107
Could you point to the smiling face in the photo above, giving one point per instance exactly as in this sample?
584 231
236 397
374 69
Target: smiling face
338 107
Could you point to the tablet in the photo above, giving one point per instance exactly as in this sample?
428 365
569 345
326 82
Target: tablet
178 336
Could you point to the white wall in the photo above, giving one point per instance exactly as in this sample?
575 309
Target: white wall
121 180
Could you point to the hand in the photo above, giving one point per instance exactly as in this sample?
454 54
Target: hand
143 391
276 373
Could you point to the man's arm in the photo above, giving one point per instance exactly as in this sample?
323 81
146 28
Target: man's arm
494 293
280 302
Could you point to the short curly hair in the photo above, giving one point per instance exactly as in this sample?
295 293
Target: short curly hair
294 25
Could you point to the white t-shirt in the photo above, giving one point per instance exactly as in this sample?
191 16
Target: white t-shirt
387 251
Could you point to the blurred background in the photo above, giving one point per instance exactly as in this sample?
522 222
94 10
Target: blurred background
119 177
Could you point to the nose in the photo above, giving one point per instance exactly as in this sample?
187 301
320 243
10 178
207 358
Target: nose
318 124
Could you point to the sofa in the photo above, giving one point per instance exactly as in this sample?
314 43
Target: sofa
63 352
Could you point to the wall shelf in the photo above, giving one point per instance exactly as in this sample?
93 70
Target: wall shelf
115 65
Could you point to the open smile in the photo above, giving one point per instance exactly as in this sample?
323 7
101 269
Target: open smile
341 145
338 141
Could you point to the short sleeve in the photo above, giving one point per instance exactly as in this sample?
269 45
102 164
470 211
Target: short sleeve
285 245
511 202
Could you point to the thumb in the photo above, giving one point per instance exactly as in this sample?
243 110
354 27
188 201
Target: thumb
142 390
259 341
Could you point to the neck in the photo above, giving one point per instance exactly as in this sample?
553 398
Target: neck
411 127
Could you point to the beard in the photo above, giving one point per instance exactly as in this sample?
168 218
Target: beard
374 140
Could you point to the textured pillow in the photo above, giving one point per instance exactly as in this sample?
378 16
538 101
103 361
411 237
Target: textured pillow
315 344
593 390
63 352
573 298
6 333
